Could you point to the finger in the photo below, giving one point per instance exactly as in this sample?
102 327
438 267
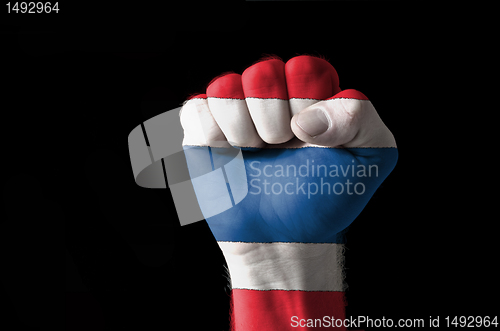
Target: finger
348 119
226 101
309 79
216 177
264 86
200 127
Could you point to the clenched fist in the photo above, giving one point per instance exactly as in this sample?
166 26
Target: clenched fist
312 157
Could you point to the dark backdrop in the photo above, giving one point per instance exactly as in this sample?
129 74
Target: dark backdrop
74 90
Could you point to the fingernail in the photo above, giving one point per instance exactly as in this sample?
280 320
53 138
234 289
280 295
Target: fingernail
313 122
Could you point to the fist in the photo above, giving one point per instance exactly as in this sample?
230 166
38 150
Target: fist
311 155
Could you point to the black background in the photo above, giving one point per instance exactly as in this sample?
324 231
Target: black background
77 84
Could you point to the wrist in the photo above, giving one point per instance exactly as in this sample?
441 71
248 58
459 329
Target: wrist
276 284
285 266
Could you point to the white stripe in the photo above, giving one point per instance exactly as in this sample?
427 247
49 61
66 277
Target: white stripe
233 118
285 266
296 104
271 118
200 127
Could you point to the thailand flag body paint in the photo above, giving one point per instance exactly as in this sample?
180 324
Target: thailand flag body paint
284 205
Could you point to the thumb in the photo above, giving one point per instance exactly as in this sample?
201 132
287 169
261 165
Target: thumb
347 119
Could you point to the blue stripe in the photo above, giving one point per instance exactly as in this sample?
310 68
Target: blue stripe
308 195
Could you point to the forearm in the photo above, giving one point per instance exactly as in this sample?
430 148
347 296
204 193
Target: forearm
273 282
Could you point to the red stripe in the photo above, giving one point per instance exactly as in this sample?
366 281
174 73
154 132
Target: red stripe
346 94
349 94
226 86
197 96
273 310
265 80
311 77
